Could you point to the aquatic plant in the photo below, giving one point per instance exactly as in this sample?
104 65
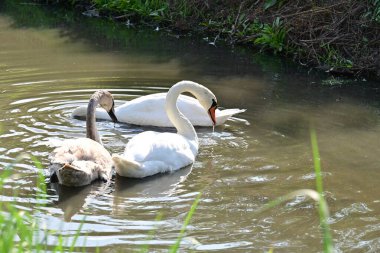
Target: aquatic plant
156 9
272 36
317 196
20 229
186 222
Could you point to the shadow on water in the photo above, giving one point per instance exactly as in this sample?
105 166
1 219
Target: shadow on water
72 200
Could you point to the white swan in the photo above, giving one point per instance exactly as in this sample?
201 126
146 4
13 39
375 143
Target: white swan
151 152
78 162
149 110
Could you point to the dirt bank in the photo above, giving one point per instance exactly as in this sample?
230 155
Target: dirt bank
340 36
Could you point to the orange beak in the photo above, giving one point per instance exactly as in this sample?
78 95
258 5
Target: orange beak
211 113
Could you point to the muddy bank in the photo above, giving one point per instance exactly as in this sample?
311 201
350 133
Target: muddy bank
340 37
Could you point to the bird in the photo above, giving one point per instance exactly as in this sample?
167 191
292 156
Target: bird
78 162
149 110
151 152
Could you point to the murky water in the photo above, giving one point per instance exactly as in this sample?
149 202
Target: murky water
46 72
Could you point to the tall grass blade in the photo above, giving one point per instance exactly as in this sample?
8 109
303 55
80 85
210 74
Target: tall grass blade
194 206
322 207
317 161
145 247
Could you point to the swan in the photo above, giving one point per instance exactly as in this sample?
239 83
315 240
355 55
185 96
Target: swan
150 152
78 162
149 110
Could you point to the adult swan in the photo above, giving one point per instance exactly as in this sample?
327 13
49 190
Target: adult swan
151 152
78 162
149 110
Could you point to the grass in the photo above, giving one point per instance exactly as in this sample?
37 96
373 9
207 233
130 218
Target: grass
272 36
190 214
322 204
317 196
19 228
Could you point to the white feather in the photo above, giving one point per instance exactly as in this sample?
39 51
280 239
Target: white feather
151 152
149 110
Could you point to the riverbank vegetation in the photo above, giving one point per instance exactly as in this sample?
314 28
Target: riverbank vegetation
336 36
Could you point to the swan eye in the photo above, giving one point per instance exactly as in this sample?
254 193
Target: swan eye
214 104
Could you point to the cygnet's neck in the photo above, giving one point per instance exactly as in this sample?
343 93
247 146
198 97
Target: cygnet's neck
180 122
91 130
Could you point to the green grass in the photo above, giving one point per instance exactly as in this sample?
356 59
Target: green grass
272 36
18 228
190 214
322 207
317 196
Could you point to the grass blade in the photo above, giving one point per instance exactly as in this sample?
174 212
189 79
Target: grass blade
175 247
322 205
145 247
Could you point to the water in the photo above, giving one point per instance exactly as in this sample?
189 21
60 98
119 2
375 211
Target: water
48 70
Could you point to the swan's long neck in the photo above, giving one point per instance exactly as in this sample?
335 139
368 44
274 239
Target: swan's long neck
180 122
91 130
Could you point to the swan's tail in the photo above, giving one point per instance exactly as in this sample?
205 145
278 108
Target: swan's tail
81 112
127 168
223 115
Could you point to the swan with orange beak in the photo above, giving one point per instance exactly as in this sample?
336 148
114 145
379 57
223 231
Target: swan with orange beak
149 153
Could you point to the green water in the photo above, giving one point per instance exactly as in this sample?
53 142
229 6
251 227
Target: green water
49 66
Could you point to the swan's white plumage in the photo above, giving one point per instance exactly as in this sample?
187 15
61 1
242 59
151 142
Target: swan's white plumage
149 110
151 152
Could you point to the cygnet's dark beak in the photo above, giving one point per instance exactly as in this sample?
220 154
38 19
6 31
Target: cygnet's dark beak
211 111
111 113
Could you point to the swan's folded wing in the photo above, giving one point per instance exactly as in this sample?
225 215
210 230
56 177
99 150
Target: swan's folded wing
169 148
81 112
223 115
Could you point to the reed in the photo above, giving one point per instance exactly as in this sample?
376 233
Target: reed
322 204
20 230
190 214
317 196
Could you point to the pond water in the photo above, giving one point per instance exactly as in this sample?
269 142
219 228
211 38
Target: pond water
48 70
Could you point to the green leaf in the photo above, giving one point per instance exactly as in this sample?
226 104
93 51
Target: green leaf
269 3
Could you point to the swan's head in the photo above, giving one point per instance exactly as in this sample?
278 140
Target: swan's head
208 100
106 101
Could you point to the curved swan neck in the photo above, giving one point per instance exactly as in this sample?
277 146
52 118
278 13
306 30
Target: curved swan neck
91 130
180 122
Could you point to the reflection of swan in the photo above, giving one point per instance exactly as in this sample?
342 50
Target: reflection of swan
158 186
154 186
71 200
149 110
78 162
151 152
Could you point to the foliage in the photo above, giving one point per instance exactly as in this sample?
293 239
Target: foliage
270 3
272 36
317 196
333 59
20 229
190 214
323 209
157 9
374 10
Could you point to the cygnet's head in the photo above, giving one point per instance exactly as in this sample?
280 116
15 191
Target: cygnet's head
106 101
